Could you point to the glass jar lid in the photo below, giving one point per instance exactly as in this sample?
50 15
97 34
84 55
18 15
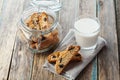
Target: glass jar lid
51 4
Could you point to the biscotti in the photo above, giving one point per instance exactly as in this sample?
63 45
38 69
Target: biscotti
64 59
38 21
42 22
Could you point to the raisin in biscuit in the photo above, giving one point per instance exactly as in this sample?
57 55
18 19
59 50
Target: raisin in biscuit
53 57
77 57
64 59
48 39
73 48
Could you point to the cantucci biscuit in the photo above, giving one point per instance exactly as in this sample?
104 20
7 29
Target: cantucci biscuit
64 59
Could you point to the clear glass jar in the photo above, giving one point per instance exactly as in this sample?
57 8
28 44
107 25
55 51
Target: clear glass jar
40 41
54 5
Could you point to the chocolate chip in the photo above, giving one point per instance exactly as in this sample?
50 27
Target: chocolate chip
70 48
53 56
45 19
61 65
42 38
77 55
60 60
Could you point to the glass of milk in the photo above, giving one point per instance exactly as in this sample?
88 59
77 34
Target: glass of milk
86 32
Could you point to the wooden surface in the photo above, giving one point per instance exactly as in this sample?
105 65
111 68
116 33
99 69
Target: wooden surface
117 4
18 63
108 59
22 60
8 28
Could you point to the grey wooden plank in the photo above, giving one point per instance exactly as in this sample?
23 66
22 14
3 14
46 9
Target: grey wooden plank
68 14
21 66
10 13
108 61
117 2
22 60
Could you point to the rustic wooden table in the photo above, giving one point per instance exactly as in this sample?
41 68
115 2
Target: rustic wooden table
17 62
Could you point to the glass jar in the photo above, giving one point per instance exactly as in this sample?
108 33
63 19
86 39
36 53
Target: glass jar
40 41
54 5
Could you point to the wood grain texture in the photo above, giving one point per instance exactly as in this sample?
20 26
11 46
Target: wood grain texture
117 2
39 73
87 7
21 66
108 62
68 14
10 14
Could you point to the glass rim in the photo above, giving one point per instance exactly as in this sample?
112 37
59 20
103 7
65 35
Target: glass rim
55 6
89 17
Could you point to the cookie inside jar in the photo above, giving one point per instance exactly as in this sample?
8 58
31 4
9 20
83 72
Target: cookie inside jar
39 21
47 36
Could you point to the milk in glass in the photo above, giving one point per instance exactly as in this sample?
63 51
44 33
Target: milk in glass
86 32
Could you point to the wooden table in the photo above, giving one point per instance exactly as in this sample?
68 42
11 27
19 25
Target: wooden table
17 62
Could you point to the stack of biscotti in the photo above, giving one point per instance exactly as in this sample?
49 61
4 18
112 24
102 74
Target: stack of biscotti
42 21
38 21
63 58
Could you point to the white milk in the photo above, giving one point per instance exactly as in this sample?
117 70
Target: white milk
86 32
